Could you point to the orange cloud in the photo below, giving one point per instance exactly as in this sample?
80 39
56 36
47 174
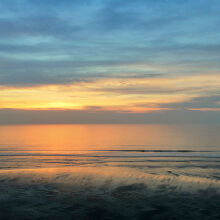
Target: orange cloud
123 94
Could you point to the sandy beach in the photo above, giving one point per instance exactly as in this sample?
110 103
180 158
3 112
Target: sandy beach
105 193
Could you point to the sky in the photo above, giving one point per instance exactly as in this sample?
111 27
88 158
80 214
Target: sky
109 61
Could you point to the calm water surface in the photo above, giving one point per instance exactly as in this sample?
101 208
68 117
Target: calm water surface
60 145
93 137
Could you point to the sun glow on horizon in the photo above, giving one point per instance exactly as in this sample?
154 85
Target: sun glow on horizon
123 95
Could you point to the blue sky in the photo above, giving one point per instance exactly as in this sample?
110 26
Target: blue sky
89 42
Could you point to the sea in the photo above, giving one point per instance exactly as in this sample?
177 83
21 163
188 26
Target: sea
114 171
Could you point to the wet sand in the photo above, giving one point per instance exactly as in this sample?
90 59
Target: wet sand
106 193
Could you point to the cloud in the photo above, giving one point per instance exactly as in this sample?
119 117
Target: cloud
9 116
205 103
159 54
37 26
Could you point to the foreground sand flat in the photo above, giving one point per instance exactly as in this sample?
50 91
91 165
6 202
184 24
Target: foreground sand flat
106 193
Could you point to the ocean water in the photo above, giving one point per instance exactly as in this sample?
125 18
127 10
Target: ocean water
110 172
